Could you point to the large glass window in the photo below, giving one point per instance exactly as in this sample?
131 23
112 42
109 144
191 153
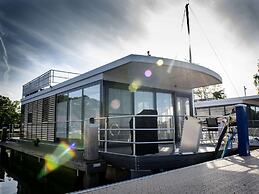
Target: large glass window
165 107
143 100
120 103
164 104
183 109
75 115
183 106
92 102
61 116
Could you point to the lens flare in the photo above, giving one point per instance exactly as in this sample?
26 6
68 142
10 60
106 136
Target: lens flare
115 104
61 155
134 86
160 62
148 73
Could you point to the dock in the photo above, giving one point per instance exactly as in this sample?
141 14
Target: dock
232 174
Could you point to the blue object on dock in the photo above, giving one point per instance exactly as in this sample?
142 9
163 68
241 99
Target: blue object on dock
242 130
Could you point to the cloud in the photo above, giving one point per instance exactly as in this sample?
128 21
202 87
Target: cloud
64 31
240 17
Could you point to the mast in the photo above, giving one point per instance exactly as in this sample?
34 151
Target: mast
188 28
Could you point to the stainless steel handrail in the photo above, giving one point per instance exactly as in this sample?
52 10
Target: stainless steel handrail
133 129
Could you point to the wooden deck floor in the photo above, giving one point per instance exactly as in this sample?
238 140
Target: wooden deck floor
233 174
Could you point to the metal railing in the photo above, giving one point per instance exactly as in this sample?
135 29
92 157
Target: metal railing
47 79
210 135
113 132
132 140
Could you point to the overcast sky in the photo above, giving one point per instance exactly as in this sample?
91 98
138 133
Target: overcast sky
80 35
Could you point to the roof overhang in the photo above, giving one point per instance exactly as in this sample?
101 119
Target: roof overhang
251 100
171 75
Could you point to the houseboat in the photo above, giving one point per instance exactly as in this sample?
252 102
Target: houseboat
131 111
223 107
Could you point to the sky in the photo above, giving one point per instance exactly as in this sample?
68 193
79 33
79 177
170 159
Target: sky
80 35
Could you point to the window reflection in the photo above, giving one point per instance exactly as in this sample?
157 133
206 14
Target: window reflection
165 107
75 114
143 100
183 109
61 116
120 103
92 102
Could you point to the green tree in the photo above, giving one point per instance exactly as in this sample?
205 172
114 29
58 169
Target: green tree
10 112
210 92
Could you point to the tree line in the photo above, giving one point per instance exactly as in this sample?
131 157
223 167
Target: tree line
10 111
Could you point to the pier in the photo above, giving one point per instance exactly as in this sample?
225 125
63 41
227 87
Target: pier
234 174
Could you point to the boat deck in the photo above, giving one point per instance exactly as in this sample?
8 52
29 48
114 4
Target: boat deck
27 147
233 174
168 158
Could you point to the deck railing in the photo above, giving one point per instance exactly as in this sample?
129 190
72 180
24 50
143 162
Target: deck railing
106 129
112 131
210 135
47 79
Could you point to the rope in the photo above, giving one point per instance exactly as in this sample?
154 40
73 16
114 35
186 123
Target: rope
176 54
214 51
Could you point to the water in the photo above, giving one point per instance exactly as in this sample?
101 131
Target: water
7 183
22 178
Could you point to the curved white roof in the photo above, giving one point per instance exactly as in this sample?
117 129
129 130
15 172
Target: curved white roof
172 75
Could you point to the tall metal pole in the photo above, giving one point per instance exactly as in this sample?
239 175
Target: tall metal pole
188 28
245 90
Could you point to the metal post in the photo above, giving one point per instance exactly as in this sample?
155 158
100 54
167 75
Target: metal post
189 30
105 134
242 130
134 135
91 137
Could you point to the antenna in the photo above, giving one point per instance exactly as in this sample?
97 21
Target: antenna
189 30
245 90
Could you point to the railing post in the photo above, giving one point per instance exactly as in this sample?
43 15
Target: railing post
91 136
173 126
105 134
242 130
134 135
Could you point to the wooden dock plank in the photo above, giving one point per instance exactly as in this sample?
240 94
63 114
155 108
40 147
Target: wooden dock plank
233 174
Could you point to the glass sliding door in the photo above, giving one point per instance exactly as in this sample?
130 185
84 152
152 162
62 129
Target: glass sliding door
182 109
75 115
119 104
91 102
143 100
164 104
165 107
61 116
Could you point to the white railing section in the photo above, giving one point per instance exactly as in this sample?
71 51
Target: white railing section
132 140
210 135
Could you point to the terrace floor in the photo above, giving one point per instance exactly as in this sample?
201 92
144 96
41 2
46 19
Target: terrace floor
233 174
